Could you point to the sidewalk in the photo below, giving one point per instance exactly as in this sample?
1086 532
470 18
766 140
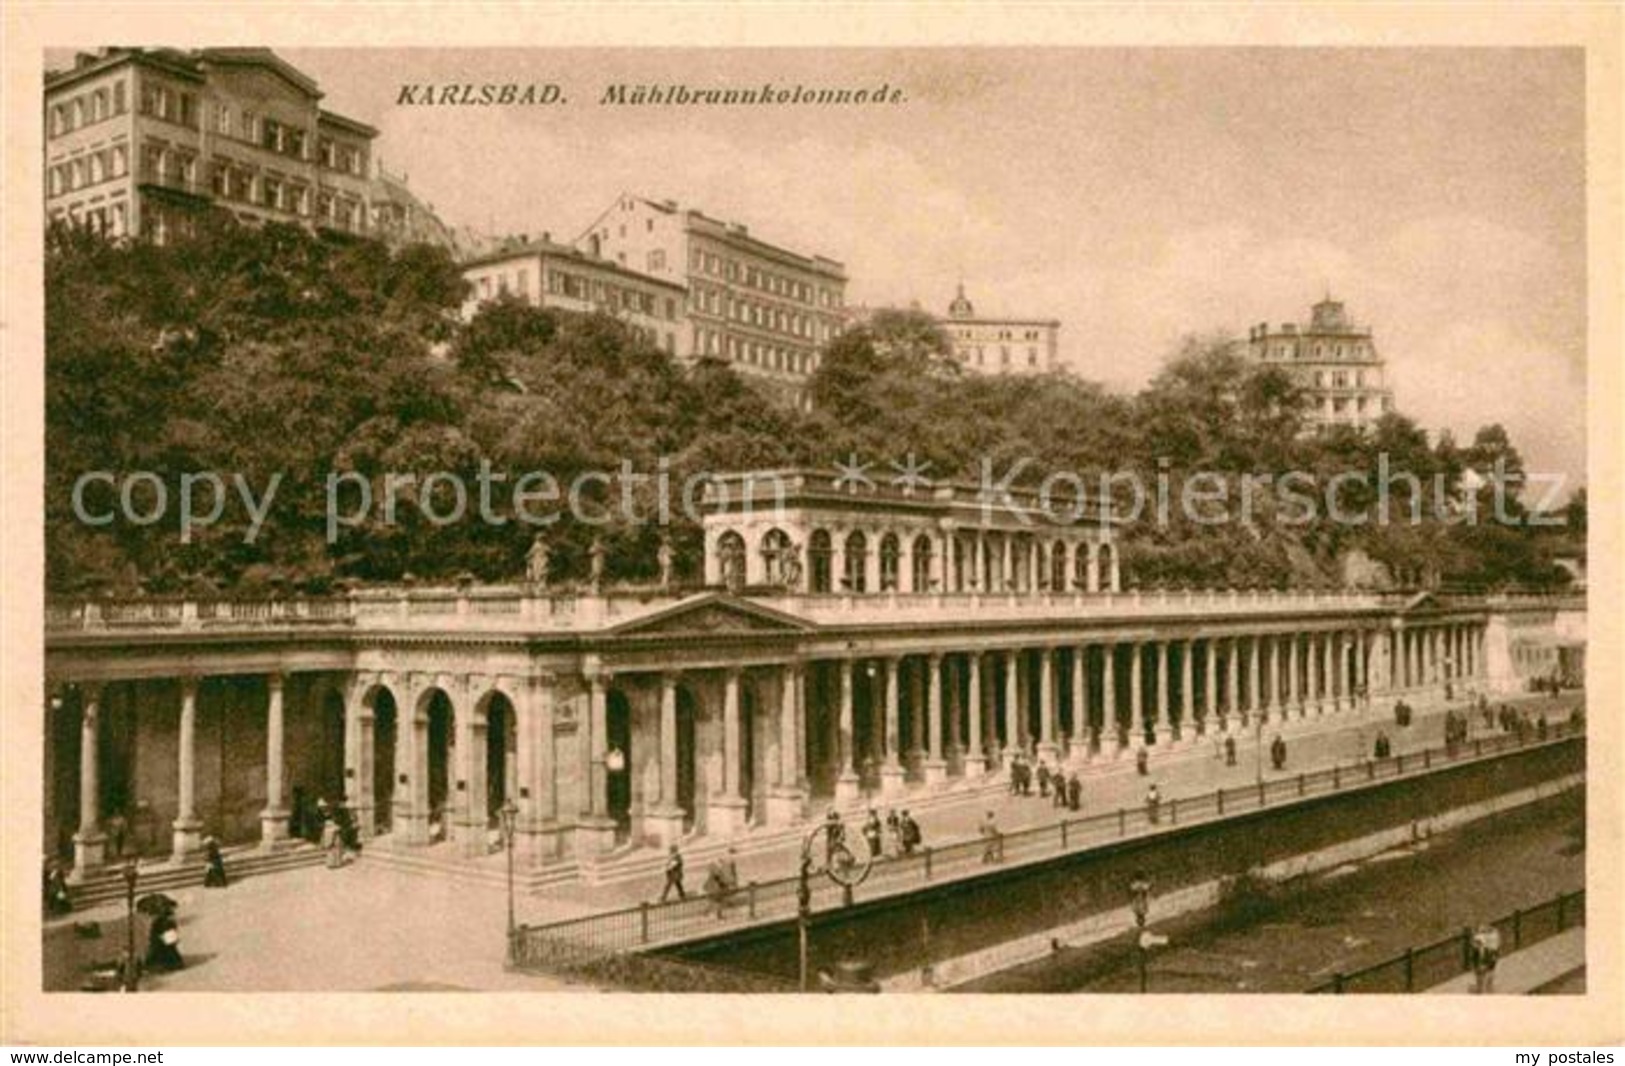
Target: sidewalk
1522 972
1195 769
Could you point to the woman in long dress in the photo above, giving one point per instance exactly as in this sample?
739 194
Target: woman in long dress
164 943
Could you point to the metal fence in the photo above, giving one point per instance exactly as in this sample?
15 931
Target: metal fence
651 924
1418 969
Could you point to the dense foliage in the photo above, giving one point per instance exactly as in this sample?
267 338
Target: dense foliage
252 353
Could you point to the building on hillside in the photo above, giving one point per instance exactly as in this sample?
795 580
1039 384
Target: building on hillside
556 275
399 217
762 308
138 140
1333 360
987 345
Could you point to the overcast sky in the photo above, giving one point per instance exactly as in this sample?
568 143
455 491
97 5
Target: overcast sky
1136 195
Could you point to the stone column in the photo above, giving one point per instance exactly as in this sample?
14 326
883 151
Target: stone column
1012 705
1311 665
1345 675
664 822
360 762
1078 742
468 793
409 811
1092 576
1108 695
1136 695
847 786
542 693
1251 703
1232 687
1187 689
936 768
599 828
89 843
1210 683
187 829
274 818
1163 707
1294 697
1046 705
955 707
891 773
975 760
725 812
784 799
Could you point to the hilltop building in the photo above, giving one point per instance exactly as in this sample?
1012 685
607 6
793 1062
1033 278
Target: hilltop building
763 308
546 274
1333 360
1000 345
138 140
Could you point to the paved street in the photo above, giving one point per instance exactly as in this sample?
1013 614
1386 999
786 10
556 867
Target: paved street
371 927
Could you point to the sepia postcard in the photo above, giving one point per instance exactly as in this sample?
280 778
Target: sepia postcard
1100 521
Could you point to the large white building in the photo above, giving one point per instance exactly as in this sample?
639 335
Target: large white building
138 140
1333 360
1000 345
762 308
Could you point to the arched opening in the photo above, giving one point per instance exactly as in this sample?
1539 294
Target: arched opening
1103 567
618 771
1080 567
439 716
1057 567
501 756
920 559
819 555
383 759
857 563
778 558
890 554
731 559
687 750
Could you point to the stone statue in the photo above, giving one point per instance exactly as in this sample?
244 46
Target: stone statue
596 555
536 561
790 565
665 557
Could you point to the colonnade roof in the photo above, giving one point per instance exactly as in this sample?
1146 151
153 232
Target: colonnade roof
960 504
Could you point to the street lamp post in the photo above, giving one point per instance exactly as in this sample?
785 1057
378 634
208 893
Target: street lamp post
131 876
1140 893
510 814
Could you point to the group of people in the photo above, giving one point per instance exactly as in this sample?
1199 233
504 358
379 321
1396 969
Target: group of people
721 878
899 835
1457 725
1065 792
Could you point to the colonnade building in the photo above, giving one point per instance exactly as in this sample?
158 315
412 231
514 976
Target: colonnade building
848 641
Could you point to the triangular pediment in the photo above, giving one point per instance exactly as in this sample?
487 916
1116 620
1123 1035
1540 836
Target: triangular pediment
712 613
1422 601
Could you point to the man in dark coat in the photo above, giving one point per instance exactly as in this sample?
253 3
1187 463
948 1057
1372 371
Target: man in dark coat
872 833
674 875
164 943
911 832
215 876
1074 793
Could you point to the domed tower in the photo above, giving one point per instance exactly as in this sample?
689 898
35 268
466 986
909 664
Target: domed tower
961 307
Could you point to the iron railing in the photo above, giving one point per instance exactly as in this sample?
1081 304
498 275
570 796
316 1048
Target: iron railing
648 924
1420 968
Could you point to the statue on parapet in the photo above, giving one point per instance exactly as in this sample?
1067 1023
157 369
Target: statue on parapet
596 556
666 562
537 560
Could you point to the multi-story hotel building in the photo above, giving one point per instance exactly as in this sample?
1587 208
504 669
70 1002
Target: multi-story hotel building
138 140
1333 360
764 309
557 275
1000 345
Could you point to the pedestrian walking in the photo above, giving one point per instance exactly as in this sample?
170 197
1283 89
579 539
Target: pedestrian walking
1043 779
872 833
674 874
1059 791
1153 804
215 875
1278 752
57 899
894 834
1142 762
164 942
1229 750
1074 793
912 837
1486 952
992 840
834 837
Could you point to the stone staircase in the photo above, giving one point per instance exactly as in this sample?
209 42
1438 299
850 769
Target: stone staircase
107 885
447 861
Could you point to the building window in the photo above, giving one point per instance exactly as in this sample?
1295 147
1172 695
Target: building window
119 104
